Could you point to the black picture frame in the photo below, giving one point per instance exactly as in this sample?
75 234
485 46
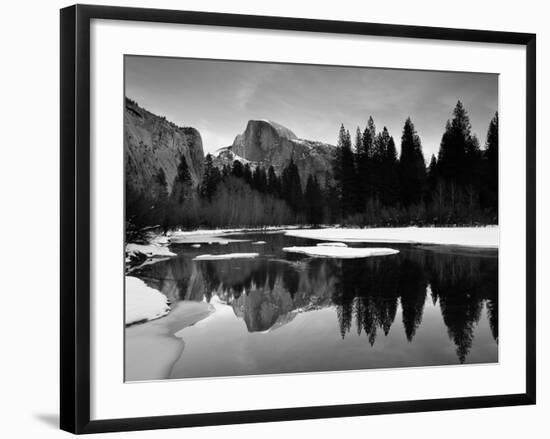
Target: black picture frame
75 217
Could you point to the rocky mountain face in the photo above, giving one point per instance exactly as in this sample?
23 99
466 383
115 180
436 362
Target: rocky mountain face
268 143
151 142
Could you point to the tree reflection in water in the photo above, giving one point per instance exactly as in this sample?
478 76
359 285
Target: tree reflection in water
367 293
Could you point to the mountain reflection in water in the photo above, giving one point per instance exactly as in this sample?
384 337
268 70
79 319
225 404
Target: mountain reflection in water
368 298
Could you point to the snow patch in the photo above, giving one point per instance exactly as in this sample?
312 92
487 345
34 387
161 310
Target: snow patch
240 159
259 243
485 237
215 232
149 250
195 245
341 252
160 240
142 302
332 244
226 256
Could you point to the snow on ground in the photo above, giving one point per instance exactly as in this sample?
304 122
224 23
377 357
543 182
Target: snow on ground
160 240
220 236
203 236
259 243
486 237
239 158
341 252
142 302
195 245
226 256
149 250
203 239
173 233
217 232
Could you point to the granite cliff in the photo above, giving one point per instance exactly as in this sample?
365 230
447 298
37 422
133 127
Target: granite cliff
267 143
151 142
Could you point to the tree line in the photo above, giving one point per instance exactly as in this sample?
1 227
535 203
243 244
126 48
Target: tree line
267 198
236 195
373 186
376 187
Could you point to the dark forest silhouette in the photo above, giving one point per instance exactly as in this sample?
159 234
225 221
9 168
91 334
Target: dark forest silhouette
373 186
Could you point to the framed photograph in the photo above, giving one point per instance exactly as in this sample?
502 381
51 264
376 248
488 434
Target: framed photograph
272 218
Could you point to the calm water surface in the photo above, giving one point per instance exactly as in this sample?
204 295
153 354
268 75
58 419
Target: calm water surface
282 313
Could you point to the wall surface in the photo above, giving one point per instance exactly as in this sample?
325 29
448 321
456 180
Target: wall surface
29 183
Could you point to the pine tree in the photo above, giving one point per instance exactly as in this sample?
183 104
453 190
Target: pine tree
431 178
358 140
371 129
391 151
273 182
210 180
460 169
182 187
259 180
226 171
473 162
364 166
182 192
412 168
491 158
452 159
292 187
314 202
237 170
247 174
383 167
160 199
349 178
391 174
380 146
337 165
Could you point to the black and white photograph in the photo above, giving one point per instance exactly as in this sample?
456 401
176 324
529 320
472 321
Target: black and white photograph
267 220
295 218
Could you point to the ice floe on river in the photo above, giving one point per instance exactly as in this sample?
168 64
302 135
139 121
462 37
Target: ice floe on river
340 252
485 237
332 244
226 256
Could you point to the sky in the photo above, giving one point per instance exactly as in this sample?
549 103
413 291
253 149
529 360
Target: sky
219 97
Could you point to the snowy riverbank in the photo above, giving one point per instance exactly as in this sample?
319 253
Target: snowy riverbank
483 237
147 250
142 302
